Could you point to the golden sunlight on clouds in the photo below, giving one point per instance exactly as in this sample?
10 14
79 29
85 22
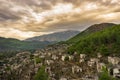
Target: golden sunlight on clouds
110 16
18 34
22 19
62 8
91 6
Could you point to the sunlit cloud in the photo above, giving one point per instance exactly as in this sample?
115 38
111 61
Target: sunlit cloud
18 34
91 6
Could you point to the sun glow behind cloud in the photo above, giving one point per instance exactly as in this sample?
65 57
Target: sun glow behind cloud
91 6
18 34
27 18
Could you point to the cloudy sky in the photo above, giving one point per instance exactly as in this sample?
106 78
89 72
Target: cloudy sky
22 19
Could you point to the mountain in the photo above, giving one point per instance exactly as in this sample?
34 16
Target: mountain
92 29
105 41
58 36
10 44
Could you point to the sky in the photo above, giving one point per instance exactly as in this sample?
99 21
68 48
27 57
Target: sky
23 19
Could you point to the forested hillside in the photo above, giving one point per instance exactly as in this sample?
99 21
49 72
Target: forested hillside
9 44
92 29
106 42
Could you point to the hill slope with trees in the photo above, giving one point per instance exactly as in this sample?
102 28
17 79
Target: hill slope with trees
106 42
92 29
9 44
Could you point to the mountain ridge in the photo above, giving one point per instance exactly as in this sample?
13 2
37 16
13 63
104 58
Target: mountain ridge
57 36
92 29
11 44
105 42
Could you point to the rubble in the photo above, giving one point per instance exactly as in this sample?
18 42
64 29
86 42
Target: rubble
78 66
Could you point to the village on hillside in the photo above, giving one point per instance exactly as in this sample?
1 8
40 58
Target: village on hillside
58 65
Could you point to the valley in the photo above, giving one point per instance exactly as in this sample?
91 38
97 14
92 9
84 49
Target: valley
59 40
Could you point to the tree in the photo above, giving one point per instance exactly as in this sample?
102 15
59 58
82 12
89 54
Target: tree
104 75
104 50
41 75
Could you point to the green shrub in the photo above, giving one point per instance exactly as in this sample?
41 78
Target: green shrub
37 60
104 50
66 58
41 74
104 75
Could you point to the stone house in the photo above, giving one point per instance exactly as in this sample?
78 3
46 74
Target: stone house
99 55
49 62
70 57
100 66
114 71
92 62
113 60
82 56
90 77
54 57
63 57
76 69
63 79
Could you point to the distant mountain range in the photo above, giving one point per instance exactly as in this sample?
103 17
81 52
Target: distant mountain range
10 44
58 36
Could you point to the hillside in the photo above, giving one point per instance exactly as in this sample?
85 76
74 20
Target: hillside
92 29
106 42
58 36
9 44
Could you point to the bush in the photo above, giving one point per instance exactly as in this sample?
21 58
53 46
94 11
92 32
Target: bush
41 74
66 58
105 75
38 60
104 50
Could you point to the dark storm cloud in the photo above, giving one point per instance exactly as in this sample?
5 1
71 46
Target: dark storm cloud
7 15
